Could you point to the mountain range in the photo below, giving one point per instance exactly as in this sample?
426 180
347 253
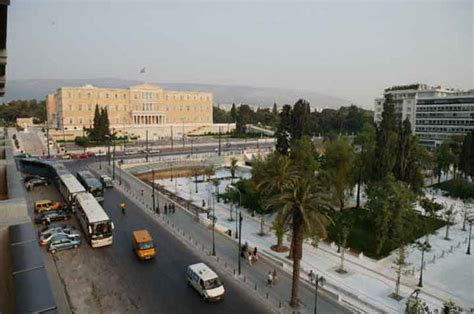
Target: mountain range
223 94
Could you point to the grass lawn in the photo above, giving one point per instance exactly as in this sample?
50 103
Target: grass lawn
362 235
457 188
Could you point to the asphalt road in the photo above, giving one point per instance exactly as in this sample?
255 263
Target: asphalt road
159 285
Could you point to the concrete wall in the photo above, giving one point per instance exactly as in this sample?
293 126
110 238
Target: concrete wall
13 210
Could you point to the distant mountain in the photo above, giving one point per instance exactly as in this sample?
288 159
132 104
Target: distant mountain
223 94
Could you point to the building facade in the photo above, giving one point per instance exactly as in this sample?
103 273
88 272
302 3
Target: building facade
72 108
435 113
440 115
3 44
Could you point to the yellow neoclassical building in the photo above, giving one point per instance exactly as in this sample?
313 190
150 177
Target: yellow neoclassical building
146 105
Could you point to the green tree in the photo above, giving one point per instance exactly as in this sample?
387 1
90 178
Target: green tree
300 119
466 157
339 161
365 142
303 157
233 168
94 132
400 264
244 117
303 205
456 143
233 113
283 134
444 159
386 141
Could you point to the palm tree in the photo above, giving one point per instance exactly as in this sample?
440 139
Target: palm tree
233 167
303 204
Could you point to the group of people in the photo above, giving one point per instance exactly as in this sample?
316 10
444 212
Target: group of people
170 209
251 256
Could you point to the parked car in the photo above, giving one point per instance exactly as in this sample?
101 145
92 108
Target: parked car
46 205
45 239
35 182
23 155
31 177
106 181
58 215
130 152
100 154
57 227
62 242
66 157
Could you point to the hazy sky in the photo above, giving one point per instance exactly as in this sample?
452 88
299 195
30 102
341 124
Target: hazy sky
349 49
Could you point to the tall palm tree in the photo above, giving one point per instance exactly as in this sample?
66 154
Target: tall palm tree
303 204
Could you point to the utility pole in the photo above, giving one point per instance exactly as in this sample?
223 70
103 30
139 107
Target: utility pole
146 146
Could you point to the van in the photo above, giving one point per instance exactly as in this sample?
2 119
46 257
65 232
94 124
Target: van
205 281
44 205
143 245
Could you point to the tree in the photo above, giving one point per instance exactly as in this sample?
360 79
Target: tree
466 157
456 144
304 205
444 159
94 132
405 143
449 216
365 141
400 264
275 110
233 113
339 162
233 168
431 208
244 117
386 141
449 307
466 211
300 119
284 129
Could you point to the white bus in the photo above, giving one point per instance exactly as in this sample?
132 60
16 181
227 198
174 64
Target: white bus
94 221
69 187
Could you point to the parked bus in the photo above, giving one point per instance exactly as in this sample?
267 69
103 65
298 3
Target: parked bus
94 221
69 187
92 184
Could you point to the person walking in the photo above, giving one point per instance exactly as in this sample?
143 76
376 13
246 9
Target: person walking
166 209
174 208
255 254
275 276
311 276
250 259
269 278
203 203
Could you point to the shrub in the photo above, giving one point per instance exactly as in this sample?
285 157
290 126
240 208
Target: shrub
457 188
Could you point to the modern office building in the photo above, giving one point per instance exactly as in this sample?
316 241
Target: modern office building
435 113
440 115
3 44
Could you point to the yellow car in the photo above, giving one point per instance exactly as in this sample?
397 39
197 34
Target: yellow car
45 205
143 245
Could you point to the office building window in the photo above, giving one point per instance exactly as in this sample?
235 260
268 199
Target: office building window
124 96
107 95
89 107
79 107
70 120
88 95
117 107
70 107
116 95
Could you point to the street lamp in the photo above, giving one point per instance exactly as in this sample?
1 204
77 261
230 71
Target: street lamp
153 188
470 220
213 227
108 148
232 187
423 247
240 239
320 280
120 172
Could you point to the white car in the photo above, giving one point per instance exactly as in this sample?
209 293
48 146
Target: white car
100 153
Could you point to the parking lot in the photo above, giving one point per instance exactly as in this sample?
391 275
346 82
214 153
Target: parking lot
84 280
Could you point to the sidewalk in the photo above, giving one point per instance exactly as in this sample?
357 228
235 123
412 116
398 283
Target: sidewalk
368 282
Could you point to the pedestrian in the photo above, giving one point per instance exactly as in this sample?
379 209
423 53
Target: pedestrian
166 209
141 192
255 254
269 278
311 276
203 203
47 221
174 208
275 276
250 259
244 250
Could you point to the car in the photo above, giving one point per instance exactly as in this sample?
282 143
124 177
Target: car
46 205
57 227
51 216
100 154
84 155
63 242
66 157
35 182
23 155
106 181
46 238
31 177
130 152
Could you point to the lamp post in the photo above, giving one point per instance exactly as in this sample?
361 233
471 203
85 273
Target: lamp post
240 239
320 280
108 148
47 137
146 146
171 138
113 163
470 220
213 227
219 152
234 188
423 247
359 176
120 172
183 132
153 188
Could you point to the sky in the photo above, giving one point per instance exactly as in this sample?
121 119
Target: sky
348 49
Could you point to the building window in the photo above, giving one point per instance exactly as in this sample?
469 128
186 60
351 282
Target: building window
167 97
69 95
117 108
79 107
187 107
107 95
80 121
124 96
89 107
70 120
116 95
70 107
88 95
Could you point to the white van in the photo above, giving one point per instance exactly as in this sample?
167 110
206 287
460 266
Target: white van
205 281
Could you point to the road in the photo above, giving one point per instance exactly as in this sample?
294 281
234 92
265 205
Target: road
159 286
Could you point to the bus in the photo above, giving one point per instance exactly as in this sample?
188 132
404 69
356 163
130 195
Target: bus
92 184
94 221
69 187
